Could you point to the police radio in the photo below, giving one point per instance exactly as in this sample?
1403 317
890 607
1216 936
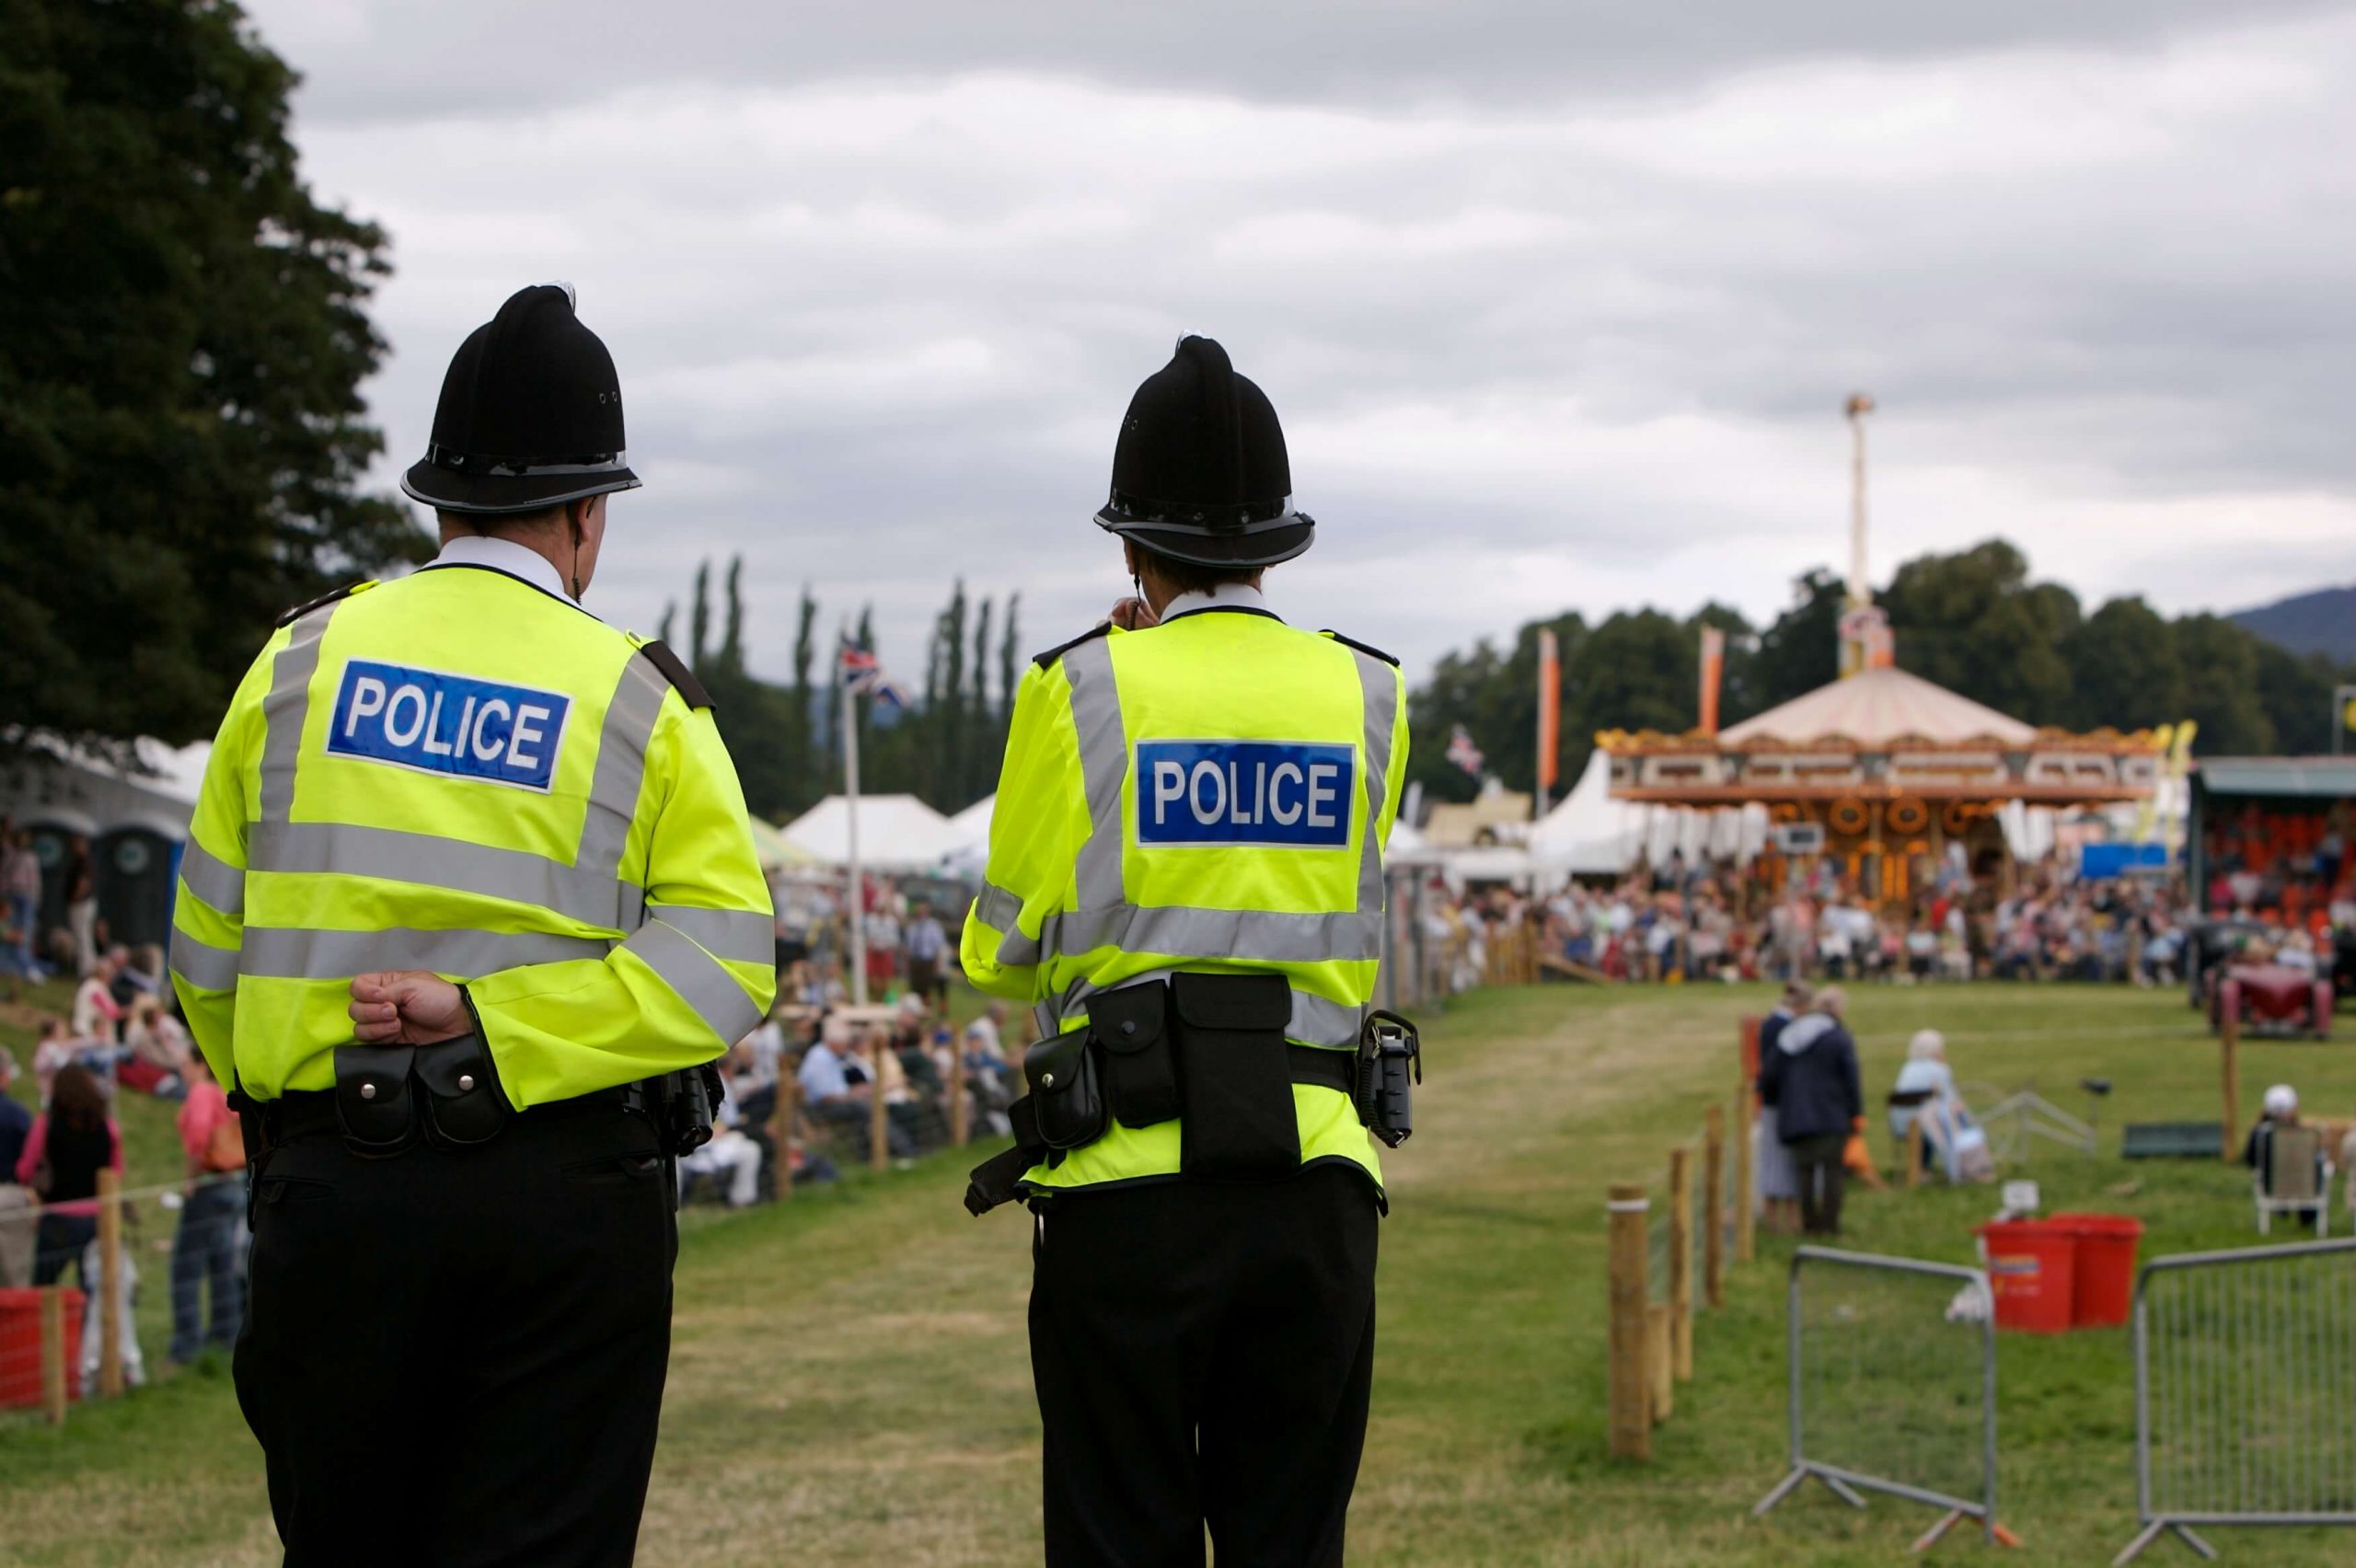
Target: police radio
1390 1061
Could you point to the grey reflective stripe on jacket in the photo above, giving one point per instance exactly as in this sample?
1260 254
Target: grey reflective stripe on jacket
592 893
1316 1020
698 979
1271 936
212 879
289 953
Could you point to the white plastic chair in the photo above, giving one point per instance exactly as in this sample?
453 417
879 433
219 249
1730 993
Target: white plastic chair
2293 1179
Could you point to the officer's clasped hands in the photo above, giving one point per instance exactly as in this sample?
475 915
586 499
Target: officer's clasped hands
405 1006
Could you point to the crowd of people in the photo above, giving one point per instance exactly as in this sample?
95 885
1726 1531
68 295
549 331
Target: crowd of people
1712 922
121 1038
2289 862
826 1063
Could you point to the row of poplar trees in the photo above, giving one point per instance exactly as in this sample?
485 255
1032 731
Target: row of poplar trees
943 747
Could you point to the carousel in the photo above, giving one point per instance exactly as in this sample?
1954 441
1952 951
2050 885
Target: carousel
1887 774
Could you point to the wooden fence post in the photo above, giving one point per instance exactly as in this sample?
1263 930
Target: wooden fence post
109 1283
1914 1150
2229 1049
1681 1260
1630 1393
782 1123
1746 1171
878 1136
52 1354
956 1093
1714 1208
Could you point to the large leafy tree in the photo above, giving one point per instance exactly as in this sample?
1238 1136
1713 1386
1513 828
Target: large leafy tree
182 339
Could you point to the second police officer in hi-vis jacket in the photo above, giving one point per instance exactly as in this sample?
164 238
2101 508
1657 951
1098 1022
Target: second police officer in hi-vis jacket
1185 879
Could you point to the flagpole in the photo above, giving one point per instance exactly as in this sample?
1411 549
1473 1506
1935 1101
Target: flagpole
850 817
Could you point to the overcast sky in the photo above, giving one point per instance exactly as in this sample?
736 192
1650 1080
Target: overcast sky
1559 303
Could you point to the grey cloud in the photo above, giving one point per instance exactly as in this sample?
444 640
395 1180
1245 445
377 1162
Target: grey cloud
378 60
1582 342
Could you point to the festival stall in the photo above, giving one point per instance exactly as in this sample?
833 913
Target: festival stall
2270 834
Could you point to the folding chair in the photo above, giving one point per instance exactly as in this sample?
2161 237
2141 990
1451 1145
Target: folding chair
2292 1177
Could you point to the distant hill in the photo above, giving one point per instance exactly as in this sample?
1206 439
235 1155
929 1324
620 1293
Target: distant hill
2321 622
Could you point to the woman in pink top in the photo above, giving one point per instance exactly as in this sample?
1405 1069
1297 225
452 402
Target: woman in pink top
74 1139
204 1249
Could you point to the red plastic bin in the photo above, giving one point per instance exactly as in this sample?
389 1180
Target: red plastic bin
20 1381
2104 1295
2032 1268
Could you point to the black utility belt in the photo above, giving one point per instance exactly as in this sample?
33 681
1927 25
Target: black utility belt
1210 1052
388 1099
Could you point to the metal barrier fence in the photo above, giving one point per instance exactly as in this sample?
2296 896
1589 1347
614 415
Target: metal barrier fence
1893 1384
2245 1390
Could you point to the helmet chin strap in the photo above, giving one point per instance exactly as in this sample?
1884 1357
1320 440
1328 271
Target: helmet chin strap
573 527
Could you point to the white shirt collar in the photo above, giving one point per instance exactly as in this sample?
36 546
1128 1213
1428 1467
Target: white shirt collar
503 555
1224 596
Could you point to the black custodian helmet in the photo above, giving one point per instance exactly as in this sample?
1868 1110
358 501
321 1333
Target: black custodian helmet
1200 474
530 416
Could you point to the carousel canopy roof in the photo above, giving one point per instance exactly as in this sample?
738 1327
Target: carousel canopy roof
1878 706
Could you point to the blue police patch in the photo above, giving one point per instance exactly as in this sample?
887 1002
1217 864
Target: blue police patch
450 724
1286 794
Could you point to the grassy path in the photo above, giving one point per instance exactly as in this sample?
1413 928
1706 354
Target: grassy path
850 1384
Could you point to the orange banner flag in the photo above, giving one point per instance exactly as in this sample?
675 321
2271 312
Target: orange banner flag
1714 665
1550 709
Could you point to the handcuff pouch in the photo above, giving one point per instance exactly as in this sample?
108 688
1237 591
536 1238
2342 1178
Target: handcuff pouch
1131 1025
374 1105
1067 1089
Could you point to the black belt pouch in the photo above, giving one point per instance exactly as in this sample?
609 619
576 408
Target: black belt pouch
1140 1070
372 1103
464 1102
1236 1076
1067 1095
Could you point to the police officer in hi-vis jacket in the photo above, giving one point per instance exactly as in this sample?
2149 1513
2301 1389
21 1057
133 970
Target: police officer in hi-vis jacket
468 896
1185 878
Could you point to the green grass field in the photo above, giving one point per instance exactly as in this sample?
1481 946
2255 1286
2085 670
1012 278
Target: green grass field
849 1384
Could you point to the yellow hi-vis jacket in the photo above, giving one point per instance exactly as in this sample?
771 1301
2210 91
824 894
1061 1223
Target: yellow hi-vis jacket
1210 794
459 772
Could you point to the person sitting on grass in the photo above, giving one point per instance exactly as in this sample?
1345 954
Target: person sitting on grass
97 1015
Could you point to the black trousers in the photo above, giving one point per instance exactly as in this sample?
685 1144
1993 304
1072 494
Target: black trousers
1204 1355
1824 1177
457 1358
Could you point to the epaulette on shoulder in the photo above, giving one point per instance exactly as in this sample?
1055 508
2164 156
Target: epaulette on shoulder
329 597
1048 661
1354 642
675 670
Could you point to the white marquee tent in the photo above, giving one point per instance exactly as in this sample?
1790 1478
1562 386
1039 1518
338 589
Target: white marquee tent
896 833
1590 834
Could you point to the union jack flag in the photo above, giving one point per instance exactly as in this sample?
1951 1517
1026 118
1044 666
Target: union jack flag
1463 753
863 674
